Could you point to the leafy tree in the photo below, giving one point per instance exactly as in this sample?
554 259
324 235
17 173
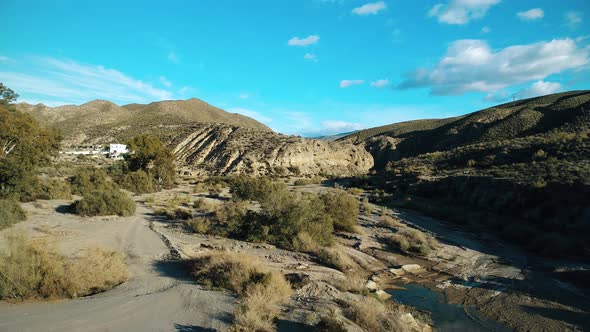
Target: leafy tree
24 146
7 96
150 155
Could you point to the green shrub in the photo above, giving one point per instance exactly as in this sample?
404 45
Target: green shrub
245 188
103 203
54 189
199 225
343 208
138 182
10 213
281 223
90 179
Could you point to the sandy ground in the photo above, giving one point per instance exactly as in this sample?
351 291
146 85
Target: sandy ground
498 279
157 298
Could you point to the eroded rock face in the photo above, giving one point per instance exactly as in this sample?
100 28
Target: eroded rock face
224 149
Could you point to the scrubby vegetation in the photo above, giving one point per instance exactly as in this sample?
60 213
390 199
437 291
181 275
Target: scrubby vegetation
374 315
412 240
32 269
148 167
10 213
101 196
25 146
103 203
261 291
520 169
54 188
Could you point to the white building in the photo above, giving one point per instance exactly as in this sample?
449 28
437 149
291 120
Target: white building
117 151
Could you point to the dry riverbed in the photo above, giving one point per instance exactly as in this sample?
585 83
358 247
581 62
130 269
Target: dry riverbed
496 279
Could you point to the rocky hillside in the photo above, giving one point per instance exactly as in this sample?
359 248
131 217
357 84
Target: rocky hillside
207 140
223 149
101 121
562 112
520 169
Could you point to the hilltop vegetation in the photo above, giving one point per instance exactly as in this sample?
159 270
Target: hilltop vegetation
521 169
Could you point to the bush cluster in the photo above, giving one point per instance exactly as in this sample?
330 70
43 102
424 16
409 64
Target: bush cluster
10 213
412 240
103 203
260 291
35 270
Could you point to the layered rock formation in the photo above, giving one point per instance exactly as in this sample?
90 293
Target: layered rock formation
224 149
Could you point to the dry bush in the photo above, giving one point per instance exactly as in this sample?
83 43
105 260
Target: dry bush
305 243
412 240
202 205
98 270
33 269
388 221
374 315
366 206
261 291
10 213
199 225
335 258
355 191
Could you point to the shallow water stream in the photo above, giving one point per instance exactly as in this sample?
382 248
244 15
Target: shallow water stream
446 317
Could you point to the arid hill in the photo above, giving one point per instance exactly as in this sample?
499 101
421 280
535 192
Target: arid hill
102 121
206 139
521 169
567 112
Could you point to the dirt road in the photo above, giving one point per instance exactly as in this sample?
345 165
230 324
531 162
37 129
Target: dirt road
159 296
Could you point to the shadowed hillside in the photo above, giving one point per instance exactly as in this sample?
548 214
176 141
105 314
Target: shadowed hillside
521 169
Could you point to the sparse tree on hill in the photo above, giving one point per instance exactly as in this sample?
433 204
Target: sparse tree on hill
149 154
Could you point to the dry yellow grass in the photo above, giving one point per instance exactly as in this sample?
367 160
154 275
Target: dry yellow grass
374 315
34 269
388 221
260 290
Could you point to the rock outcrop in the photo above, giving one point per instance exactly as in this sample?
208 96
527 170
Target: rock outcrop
224 149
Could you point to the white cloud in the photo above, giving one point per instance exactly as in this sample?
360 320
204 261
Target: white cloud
309 40
531 14
348 83
573 19
380 83
165 82
250 113
539 88
50 79
471 65
461 11
337 126
370 8
173 57
311 57
486 29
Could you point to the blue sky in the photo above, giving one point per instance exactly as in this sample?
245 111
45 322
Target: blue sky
306 67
